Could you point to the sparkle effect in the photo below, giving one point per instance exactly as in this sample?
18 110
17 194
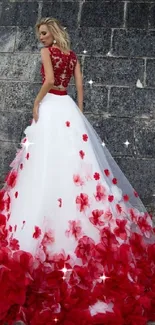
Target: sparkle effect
26 144
127 143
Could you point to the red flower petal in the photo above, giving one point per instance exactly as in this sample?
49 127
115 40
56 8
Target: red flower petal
85 137
27 156
21 166
68 124
126 197
14 244
110 198
11 178
107 172
96 176
82 154
136 194
37 232
16 194
114 180
60 202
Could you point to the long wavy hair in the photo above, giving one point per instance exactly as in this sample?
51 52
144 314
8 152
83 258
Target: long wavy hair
57 30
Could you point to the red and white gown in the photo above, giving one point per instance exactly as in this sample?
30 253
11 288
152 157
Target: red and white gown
77 244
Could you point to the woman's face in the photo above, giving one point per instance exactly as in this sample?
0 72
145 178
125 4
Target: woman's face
45 35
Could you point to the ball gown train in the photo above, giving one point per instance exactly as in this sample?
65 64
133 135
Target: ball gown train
77 244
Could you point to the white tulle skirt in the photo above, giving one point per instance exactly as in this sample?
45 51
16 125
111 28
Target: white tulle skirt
68 207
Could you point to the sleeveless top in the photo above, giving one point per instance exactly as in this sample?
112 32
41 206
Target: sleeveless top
63 67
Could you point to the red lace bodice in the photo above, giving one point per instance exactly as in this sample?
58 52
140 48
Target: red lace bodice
63 66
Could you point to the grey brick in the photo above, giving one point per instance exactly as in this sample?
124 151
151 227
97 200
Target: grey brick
150 75
102 14
20 96
93 40
132 102
26 40
95 99
133 42
11 126
19 66
145 138
19 14
7 39
114 71
114 132
66 12
139 172
137 15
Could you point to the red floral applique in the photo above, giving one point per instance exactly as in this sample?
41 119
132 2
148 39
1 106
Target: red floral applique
114 180
14 244
21 166
118 208
48 238
136 194
82 202
120 231
2 201
96 176
37 232
8 216
16 195
60 202
7 202
75 229
100 193
11 178
95 218
67 123
126 197
85 137
108 215
107 172
78 180
10 228
110 198
143 224
85 249
27 156
82 154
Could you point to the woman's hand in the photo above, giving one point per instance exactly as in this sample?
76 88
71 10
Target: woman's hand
36 112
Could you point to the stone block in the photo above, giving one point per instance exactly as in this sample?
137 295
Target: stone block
26 40
8 151
20 96
19 13
145 138
66 12
137 15
152 16
3 91
114 132
136 102
95 100
93 40
102 14
150 75
19 66
11 126
7 38
141 174
133 42
114 71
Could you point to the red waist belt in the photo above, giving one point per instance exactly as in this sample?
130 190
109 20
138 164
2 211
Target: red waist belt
58 92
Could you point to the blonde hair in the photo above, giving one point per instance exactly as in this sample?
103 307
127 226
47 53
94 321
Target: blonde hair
57 30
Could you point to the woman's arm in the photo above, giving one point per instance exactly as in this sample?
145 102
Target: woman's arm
49 75
79 84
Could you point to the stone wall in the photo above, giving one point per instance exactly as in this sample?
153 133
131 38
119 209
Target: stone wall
119 37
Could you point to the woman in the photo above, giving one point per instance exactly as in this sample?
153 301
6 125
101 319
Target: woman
77 245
